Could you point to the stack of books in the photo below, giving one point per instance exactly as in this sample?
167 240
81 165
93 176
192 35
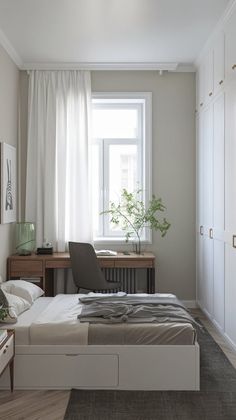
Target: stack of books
3 335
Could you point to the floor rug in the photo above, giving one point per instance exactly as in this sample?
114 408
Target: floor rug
215 401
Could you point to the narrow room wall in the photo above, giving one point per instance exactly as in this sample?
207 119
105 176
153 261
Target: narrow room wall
9 85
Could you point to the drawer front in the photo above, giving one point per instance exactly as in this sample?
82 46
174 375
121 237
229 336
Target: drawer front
58 264
106 263
25 268
6 353
134 264
67 371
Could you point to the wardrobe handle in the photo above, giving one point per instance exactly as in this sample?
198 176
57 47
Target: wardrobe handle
201 230
211 233
211 93
221 81
234 67
234 241
201 104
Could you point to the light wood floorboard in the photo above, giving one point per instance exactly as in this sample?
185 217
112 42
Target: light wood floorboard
33 405
51 405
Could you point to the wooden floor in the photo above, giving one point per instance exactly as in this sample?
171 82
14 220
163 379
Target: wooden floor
51 405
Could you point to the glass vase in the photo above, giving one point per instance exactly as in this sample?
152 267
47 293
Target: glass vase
25 238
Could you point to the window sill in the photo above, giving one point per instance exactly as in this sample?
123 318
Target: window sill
118 241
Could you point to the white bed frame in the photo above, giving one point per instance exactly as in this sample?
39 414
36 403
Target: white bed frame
159 367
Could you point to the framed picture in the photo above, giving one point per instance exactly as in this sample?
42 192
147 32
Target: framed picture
8 183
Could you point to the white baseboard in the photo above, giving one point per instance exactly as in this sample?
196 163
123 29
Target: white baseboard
190 303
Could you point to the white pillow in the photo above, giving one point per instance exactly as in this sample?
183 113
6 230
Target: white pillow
23 289
17 305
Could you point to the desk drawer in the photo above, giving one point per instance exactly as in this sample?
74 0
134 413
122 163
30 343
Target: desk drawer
58 264
6 353
19 268
106 263
133 264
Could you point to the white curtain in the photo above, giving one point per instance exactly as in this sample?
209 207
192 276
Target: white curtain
58 175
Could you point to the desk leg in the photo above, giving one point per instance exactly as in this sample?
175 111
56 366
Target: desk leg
65 280
49 282
151 280
11 367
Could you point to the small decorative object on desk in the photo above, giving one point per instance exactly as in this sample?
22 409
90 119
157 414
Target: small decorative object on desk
45 251
25 238
46 244
105 252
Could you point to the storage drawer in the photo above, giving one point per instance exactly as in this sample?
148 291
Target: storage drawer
106 263
134 264
6 353
58 264
67 370
19 268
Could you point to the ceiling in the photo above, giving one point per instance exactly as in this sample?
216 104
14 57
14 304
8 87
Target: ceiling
47 33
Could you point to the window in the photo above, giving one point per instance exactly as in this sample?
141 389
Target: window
121 127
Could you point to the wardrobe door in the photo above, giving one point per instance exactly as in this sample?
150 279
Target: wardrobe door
230 48
200 204
209 84
207 181
230 212
219 62
218 211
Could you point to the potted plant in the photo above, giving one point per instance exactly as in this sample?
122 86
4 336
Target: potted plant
132 217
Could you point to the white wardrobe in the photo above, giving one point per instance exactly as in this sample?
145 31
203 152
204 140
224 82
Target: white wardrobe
216 179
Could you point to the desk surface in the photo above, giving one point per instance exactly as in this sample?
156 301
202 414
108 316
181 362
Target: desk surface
18 264
66 256
42 266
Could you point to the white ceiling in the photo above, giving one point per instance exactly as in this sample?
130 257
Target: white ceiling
72 31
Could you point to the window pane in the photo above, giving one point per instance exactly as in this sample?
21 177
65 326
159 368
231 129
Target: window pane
122 169
115 123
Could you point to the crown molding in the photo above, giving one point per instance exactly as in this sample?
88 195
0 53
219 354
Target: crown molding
186 68
10 50
230 9
162 66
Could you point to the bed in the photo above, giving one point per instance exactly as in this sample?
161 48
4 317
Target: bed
54 350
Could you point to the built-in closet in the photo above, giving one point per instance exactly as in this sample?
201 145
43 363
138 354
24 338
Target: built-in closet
216 178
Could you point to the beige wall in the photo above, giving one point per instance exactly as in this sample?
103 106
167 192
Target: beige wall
9 84
173 165
173 168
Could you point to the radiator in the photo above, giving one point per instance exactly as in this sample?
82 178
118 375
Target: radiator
126 276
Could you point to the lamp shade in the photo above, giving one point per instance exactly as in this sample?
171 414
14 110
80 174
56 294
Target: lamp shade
25 238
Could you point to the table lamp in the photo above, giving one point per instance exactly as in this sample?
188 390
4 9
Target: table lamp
25 238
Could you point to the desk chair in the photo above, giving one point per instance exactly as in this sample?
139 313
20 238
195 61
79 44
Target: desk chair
86 271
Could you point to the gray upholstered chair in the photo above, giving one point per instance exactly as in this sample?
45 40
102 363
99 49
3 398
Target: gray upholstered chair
86 271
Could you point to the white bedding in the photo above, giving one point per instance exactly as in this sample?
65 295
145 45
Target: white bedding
22 326
58 323
53 321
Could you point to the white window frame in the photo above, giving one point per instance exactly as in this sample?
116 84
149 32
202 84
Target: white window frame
145 143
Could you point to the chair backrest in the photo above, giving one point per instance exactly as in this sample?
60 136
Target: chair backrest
86 271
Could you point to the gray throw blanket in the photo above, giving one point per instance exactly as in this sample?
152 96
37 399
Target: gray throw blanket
133 309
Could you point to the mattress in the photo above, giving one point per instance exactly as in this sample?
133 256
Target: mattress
53 321
142 334
22 326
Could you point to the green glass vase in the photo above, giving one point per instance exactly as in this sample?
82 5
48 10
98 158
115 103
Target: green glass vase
25 238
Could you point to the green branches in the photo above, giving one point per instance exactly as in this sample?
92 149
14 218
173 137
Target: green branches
3 313
132 216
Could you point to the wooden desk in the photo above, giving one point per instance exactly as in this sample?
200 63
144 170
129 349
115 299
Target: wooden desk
42 266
